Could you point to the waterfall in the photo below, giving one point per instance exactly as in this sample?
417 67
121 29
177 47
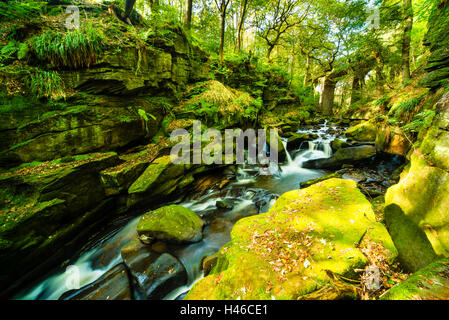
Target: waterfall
289 157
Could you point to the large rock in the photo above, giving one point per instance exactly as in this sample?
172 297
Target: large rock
365 131
173 223
78 130
436 39
113 285
416 209
295 141
46 207
153 274
429 283
342 156
390 140
284 254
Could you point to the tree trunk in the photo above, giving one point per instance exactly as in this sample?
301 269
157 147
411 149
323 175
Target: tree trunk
306 76
243 10
129 5
327 96
222 35
188 18
406 39
355 92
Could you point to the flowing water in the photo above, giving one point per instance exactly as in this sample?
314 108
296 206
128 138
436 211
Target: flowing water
251 193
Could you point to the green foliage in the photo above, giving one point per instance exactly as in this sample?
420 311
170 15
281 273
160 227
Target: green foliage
16 103
406 107
75 49
14 10
12 51
306 96
420 121
46 84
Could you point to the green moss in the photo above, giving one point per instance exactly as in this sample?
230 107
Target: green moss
308 183
150 175
418 224
429 283
171 223
365 131
284 253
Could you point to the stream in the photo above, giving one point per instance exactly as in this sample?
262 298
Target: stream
249 194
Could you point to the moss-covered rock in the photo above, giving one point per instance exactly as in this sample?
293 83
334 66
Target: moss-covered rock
151 175
429 283
365 131
337 144
283 254
171 224
48 206
341 157
416 209
296 139
309 183
416 213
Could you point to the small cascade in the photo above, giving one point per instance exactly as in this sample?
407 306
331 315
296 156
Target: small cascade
289 157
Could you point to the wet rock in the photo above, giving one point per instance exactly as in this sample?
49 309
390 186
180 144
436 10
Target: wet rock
295 140
224 205
428 283
416 209
391 140
209 263
113 285
341 157
174 224
48 207
365 131
321 226
337 144
309 183
153 274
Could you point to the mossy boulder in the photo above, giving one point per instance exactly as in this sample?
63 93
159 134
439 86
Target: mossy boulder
416 209
284 253
337 144
49 206
296 139
174 224
429 283
417 213
343 156
365 131
151 176
309 183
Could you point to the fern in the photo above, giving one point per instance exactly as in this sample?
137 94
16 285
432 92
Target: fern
46 84
75 49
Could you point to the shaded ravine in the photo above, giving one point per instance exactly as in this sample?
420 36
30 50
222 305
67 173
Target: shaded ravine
249 194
